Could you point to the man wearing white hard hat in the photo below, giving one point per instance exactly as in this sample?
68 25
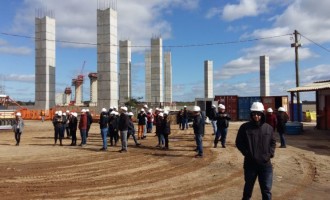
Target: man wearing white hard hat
184 118
58 126
123 128
223 119
89 121
83 127
212 116
131 129
271 118
18 127
255 140
73 123
141 123
282 119
198 126
113 128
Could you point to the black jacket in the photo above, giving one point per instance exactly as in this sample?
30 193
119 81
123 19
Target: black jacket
104 118
282 119
256 142
89 119
222 120
166 126
198 125
73 123
142 118
213 114
123 122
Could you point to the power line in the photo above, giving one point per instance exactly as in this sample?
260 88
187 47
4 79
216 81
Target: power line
317 44
166 46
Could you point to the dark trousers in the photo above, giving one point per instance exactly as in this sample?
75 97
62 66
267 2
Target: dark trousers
58 133
18 136
132 133
87 130
199 143
166 140
74 136
265 178
282 139
222 134
114 137
68 131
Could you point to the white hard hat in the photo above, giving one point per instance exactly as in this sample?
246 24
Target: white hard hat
116 113
213 106
18 114
67 111
157 109
115 107
221 106
75 114
111 108
150 111
59 112
165 112
64 114
281 109
123 108
56 112
161 114
142 110
145 106
185 106
257 106
83 110
104 110
113 112
269 110
87 110
196 109
130 114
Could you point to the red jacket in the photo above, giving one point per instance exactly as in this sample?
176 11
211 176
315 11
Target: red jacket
83 121
271 120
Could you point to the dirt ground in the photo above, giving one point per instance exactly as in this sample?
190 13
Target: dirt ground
38 170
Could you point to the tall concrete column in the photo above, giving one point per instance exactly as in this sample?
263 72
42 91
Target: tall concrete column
264 76
168 77
147 61
44 62
67 97
125 84
107 84
156 71
93 89
78 84
208 78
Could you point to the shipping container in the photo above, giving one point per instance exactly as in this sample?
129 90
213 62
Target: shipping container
231 104
244 105
275 102
205 104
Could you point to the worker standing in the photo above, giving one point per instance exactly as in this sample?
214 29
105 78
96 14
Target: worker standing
104 118
213 119
198 126
89 121
222 126
131 129
282 119
18 127
123 128
73 123
255 140
83 127
271 118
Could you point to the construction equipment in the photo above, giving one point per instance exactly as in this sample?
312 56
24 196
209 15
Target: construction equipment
7 117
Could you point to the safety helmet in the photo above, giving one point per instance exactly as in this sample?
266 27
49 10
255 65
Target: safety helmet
59 113
213 106
269 110
18 114
221 106
281 109
113 112
123 108
257 106
157 109
83 110
68 111
104 110
161 114
142 110
87 110
75 114
64 114
185 106
145 106
130 114
196 109
165 112
56 112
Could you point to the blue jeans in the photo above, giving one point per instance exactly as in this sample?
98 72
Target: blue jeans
104 133
184 123
265 178
83 136
282 139
161 139
123 137
199 143
214 125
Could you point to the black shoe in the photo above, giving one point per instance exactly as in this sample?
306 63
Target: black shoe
123 151
196 149
17 144
198 156
283 146
215 145
223 146
103 149
138 144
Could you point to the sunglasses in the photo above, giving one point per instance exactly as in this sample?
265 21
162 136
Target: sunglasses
256 113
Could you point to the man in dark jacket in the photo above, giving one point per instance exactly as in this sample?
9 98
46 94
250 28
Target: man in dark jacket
89 121
213 119
222 119
282 119
123 128
83 127
255 140
198 126
104 118
73 128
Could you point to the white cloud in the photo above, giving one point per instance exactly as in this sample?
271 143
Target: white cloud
20 77
76 20
245 8
317 73
212 12
6 48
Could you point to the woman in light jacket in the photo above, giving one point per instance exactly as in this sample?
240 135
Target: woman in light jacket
18 127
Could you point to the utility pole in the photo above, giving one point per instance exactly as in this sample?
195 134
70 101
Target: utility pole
296 45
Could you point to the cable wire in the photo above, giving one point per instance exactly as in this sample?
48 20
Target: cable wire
145 46
317 44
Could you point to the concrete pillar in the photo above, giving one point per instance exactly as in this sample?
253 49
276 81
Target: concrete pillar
78 83
93 89
107 83
264 76
67 94
44 63
156 71
208 78
168 77
125 84
147 61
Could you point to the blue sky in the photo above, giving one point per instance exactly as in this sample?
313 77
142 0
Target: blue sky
179 22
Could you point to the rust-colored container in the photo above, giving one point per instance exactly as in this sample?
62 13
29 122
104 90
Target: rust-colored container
275 102
231 103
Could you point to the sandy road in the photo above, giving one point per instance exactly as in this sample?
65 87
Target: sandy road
38 170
